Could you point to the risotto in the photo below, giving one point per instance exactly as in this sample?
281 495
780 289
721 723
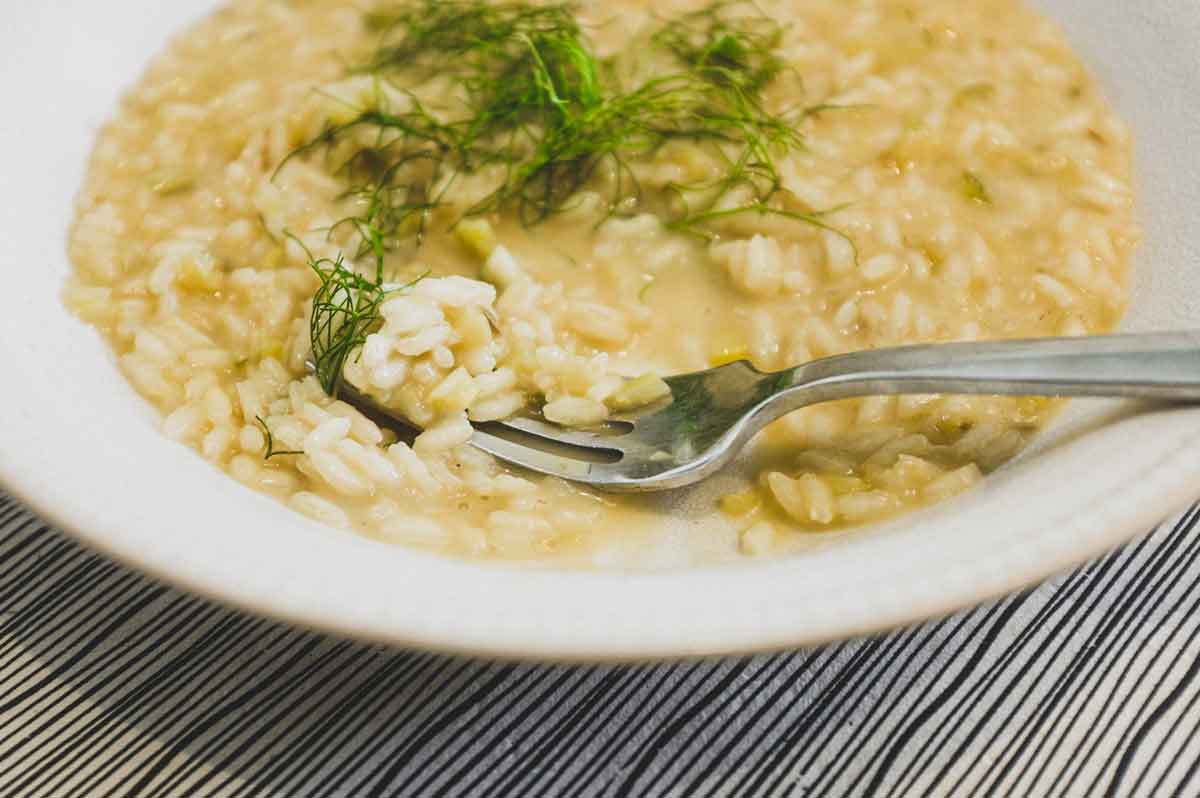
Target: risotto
470 210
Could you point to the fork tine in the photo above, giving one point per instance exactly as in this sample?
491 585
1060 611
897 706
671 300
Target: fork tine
534 459
612 477
556 434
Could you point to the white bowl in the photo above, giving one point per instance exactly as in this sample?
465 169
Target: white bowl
80 448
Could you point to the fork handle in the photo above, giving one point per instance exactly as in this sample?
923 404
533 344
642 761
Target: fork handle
1163 366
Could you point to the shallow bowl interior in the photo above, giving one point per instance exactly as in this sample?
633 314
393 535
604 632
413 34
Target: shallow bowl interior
77 445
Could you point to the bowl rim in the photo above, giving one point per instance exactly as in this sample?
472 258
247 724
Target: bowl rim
1100 519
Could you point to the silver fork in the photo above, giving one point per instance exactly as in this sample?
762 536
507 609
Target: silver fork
712 414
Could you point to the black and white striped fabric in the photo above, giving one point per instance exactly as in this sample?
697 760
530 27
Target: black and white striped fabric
112 684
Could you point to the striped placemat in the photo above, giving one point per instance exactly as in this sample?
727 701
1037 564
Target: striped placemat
112 684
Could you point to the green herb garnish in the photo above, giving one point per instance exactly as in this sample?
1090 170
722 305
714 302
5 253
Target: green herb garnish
735 50
645 289
345 311
529 104
974 188
974 93
270 450
539 105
